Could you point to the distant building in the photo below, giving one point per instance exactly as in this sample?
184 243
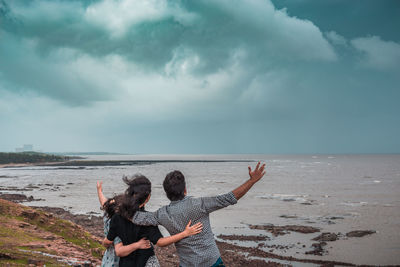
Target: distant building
25 148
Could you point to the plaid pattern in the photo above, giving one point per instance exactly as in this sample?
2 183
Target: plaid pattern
198 250
152 262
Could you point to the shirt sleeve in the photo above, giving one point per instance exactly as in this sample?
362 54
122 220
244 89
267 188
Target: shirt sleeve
113 231
145 218
153 234
117 240
210 204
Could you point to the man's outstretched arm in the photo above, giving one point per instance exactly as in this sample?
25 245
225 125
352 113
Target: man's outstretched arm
211 204
255 176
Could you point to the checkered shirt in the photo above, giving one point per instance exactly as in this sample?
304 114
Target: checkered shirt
198 250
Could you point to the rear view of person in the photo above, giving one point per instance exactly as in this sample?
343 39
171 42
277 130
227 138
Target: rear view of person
199 250
135 198
115 249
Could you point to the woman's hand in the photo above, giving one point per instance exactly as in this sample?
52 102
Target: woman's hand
106 243
189 231
194 229
123 251
102 198
143 244
99 186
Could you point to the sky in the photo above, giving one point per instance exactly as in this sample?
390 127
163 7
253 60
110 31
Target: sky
200 77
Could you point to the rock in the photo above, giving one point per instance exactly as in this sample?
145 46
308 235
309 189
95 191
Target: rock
318 249
282 230
37 246
335 218
5 256
35 262
244 237
18 198
326 237
23 225
30 214
288 216
50 237
14 197
360 233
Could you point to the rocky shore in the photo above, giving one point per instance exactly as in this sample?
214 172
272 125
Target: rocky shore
233 253
30 237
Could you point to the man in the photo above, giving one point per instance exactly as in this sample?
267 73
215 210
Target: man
198 250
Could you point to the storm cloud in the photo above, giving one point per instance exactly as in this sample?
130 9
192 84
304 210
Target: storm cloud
203 76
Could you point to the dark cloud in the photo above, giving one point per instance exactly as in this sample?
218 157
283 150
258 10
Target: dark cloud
198 77
350 18
214 31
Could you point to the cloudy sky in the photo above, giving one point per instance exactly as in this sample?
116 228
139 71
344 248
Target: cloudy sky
204 76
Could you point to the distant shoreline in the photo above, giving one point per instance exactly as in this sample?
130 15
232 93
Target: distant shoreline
20 165
29 157
83 163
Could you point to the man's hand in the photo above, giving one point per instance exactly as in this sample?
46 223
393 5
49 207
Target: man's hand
257 174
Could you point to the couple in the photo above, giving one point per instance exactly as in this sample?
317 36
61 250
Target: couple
194 248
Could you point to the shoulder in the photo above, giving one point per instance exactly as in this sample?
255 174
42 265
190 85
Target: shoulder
194 200
189 202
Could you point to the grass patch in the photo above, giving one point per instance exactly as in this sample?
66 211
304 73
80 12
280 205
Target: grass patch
20 226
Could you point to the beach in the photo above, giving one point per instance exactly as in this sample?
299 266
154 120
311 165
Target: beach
48 242
308 209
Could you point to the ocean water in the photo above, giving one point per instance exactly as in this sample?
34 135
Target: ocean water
337 193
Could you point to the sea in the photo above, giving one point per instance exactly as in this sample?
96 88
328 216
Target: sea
335 193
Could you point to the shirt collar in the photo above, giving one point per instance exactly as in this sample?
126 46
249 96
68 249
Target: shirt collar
176 201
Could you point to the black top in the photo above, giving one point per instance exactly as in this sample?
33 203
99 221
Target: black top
130 233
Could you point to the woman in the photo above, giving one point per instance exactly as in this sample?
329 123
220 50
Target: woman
109 207
110 259
131 251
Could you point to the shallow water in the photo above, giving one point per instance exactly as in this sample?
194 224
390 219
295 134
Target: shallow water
338 193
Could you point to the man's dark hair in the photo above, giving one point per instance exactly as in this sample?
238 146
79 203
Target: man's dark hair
174 185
